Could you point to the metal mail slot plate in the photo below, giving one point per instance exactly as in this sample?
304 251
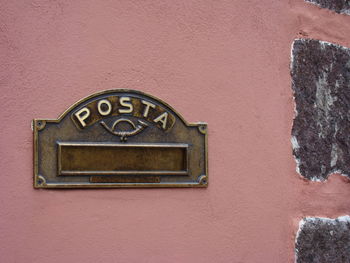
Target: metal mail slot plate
119 138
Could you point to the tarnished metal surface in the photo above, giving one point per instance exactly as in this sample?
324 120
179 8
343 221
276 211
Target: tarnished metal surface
119 138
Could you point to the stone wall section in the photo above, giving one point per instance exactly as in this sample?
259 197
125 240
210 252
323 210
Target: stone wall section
320 72
320 135
338 6
323 240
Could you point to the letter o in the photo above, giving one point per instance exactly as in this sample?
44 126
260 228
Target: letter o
104 112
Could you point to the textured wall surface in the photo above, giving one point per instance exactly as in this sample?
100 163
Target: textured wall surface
223 62
323 240
321 85
339 6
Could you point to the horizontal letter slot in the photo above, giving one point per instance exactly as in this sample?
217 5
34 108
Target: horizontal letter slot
122 159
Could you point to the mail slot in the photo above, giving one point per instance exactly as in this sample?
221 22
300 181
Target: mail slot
79 159
120 139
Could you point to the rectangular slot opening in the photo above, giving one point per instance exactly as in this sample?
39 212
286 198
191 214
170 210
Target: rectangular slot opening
78 159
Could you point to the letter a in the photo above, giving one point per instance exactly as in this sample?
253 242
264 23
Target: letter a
163 119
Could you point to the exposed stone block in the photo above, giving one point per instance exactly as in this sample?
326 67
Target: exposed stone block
323 240
339 6
321 128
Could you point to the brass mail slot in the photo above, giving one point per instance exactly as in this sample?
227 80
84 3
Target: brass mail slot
120 139
78 159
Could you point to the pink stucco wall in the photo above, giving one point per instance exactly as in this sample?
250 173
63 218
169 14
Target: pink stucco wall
223 62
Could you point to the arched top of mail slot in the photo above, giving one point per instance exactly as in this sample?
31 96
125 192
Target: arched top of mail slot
123 102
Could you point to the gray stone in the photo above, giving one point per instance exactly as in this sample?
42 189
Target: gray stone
339 6
321 128
323 240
